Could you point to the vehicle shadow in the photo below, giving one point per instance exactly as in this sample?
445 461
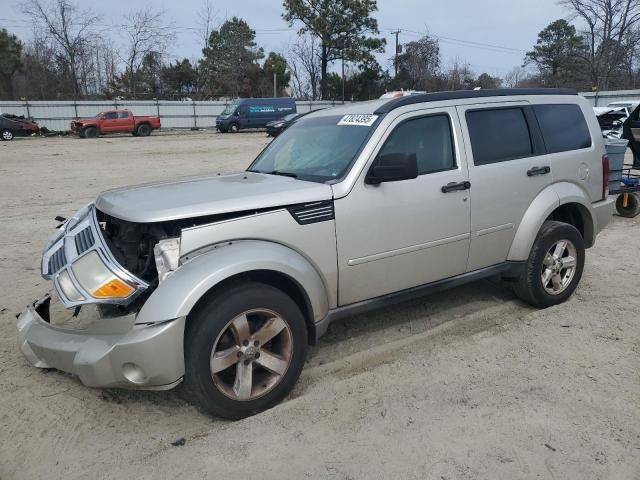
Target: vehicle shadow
359 333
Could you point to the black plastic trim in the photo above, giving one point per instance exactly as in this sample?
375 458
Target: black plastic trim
315 212
469 94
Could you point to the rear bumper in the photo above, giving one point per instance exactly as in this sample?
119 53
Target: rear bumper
146 356
603 211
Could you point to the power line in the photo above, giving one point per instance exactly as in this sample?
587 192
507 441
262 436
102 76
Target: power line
445 39
465 43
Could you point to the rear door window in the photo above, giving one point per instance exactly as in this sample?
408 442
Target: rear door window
123 114
499 135
563 127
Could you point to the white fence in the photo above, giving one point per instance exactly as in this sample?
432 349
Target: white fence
602 99
56 115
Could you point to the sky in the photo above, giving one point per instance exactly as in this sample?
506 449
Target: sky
492 35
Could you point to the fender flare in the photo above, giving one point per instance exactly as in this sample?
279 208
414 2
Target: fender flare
178 294
543 205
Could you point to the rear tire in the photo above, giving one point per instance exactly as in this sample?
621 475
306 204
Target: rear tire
554 267
143 130
6 135
90 132
224 347
633 205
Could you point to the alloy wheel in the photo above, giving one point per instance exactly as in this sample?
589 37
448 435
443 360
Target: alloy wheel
251 355
559 267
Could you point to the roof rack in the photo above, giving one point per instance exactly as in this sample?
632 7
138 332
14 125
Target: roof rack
462 94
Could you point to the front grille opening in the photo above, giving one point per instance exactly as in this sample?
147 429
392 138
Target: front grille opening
84 240
57 261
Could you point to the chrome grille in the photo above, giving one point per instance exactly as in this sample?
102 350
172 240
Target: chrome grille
312 212
57 261
84 240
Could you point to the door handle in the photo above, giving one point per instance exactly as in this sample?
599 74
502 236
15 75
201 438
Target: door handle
455 187
538 171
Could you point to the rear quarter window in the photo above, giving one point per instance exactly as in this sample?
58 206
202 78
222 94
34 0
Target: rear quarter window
563 127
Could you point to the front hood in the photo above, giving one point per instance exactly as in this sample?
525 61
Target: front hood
197 197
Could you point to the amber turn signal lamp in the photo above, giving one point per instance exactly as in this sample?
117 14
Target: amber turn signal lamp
114 288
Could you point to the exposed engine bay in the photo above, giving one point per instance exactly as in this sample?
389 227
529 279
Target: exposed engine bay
150 251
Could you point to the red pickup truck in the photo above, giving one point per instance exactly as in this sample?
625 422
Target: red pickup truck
116 121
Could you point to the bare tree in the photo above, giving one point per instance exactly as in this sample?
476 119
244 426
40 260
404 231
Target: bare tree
459 76
304 63
146 34
631 60
206 21
607 23
514 77
70 28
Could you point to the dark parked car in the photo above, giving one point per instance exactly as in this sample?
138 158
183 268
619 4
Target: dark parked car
276 127
13 126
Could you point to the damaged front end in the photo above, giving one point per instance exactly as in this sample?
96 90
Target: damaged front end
103 269
96 258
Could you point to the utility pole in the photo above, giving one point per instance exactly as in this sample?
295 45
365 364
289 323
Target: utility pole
395 57
343 76
275 91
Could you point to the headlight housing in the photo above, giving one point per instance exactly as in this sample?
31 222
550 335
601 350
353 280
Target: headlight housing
94 276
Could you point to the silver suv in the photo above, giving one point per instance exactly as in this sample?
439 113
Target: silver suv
223 282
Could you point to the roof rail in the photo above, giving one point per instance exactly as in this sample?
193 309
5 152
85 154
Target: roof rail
462 94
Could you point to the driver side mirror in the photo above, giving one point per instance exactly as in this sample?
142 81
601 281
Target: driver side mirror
393 167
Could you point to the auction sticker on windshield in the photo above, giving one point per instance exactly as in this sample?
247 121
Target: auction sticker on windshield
363 120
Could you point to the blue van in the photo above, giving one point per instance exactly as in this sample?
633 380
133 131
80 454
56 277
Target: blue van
253 113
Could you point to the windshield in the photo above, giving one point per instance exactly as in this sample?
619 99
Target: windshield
291 116
317 149
229 109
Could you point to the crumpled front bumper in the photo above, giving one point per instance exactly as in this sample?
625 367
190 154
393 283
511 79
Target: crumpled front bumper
103 354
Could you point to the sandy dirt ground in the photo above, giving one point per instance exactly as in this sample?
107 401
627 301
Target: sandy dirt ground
467 384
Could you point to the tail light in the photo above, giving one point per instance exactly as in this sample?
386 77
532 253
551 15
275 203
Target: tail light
605 176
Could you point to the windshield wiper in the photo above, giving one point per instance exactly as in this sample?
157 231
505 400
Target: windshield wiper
276 172
284 174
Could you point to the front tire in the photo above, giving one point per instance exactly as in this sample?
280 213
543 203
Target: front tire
245 347
234 128
6 135
90 132
554 267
